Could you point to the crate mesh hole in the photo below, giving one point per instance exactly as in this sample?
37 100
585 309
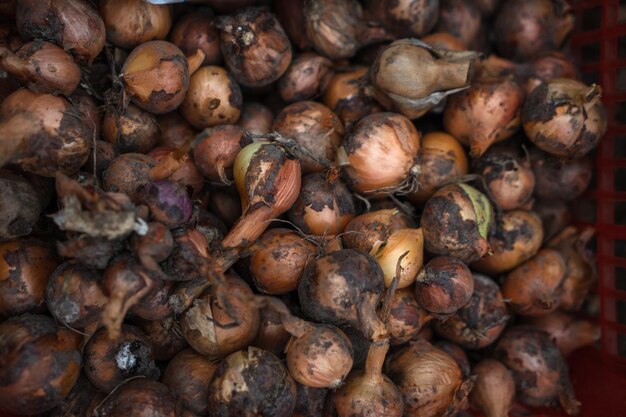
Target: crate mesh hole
591 52
592 18
620 278
620 248
619 183
620 112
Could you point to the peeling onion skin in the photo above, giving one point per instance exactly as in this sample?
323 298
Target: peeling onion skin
539 370
253 380
481 321
444 285
187 175
130 23
494 390
534 288
196 30
565 117
560 178
405 18
368 231
140 398
406 317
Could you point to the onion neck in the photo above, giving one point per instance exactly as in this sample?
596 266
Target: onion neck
370 323
11 63
249 227
376 359
451 75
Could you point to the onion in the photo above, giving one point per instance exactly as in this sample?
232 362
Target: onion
255 47
188 376
132 130
444 285
213 98
525 29
175 131
128 173
130 23
43 134
456 353
74 295
565 117
479 322
164 337
81 400
203 325
72 24
186 175
559 178
59 75
272 335
555 216
253 380
380 154
141 397
581 274
494 390
278 261
191 247
443 40
344 96
430 381
442 159
548 67
406 18
486 113
534 288
517 237
568 332
109 362
156 75
196 30
306 78
20 204
462 19
215 152
225 205
343 287
155 304
410 77
369 231
290 14
310 402
25 266
406 318
457 221
256 118
540 372
40 364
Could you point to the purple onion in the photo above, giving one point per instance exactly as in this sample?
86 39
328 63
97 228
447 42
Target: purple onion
168 201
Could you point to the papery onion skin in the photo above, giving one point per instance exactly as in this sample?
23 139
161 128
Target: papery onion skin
141 398
560 178
517 237
130 23
568 332
457 353
406 317
405 18
128 173
480 322
306 78
215 153
20 205
187 174
565 117
196 30
534 287
368 231
540 372
404 249
254 380
443 40
494 390
133 130
444 285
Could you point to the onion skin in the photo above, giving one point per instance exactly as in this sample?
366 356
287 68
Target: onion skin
132 130
444 285
548 67
443 40
130 23
187 174
214 98
535 286
568 332
39 366
272 335
215 153
540 372
315 127
20 206
175 131
163 336
155 304
306 78
456 353
290 14
141 398
457 221
255 47
310 402
196 30
406 18
462 19
128 173
559 178
442 159
59 75
256 118
480 322
369 231
253 380
405 246
406 317
380 153
565 117
72 24
494 389
555 216
517 237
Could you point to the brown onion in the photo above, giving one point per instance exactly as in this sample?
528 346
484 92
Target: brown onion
203 325
19 205
215 152
59 75
457 353
479 322
380 154
315 127
405 18
430 380
369 231
128 173
187 174
131 130
568 332
42 133
494 389
444 285
272 335
188 375
406 318
130 23
306 78
253 380
534 288
443 40
141 398
80 402
442 159
255 118
540 372
196 30
175 131
555 216
310 402
290 14
25 266
225 204
559 178
462 19
40 364
255 47
517 237
191 247
457 221
486 113
213 98
100 158
524 29
548 67
164 337
155 304
72 24
74 295
278 261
